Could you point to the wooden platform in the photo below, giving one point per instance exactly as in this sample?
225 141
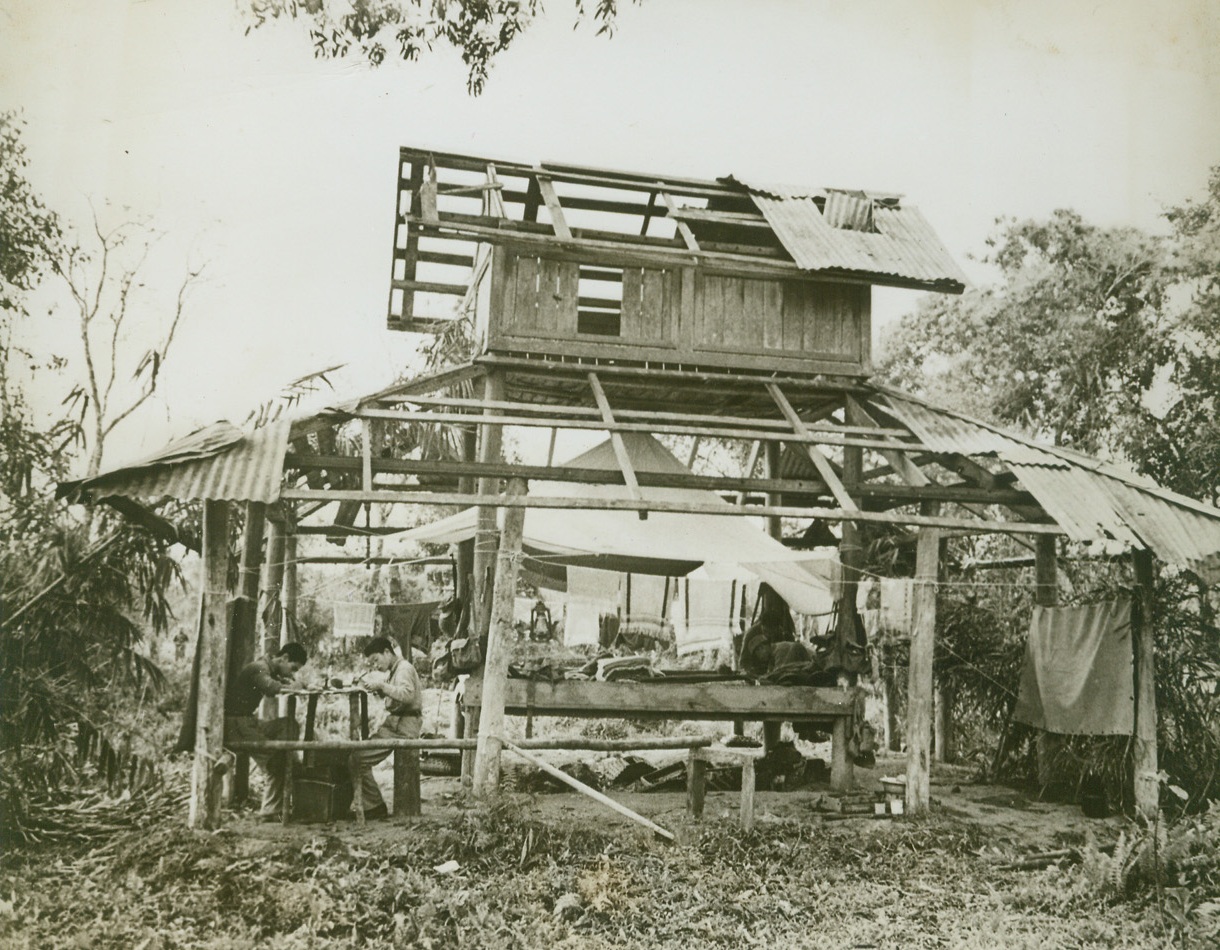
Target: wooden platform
833 708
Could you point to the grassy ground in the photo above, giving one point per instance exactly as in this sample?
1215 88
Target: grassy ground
541 872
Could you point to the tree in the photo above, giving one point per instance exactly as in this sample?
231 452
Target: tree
1106 340
104 283
480 29
1070 338
71 607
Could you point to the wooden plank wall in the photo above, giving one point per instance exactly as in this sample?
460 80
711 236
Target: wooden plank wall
729 314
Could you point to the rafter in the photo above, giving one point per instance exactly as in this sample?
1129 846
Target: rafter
820 461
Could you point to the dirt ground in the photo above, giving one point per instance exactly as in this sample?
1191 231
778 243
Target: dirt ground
1016 823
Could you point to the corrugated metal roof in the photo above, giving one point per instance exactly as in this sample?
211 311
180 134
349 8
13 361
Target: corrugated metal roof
248 468
899 243
1090 499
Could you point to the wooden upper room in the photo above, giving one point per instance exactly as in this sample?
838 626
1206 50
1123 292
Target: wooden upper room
567 261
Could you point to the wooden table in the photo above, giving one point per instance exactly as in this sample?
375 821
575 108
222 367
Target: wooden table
357 728
832 707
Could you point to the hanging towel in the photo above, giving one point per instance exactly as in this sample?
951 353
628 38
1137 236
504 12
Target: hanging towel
647 598
896 604
1078 673
355 620
591 593
705 619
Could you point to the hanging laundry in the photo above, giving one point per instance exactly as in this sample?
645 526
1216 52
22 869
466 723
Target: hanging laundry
705 618
1078 673
897 604
646 610
591 593
408 625
355 620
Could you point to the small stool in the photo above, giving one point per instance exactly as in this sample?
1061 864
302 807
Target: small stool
720 754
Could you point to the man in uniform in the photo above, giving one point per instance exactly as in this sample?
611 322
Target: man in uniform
404 697
264 677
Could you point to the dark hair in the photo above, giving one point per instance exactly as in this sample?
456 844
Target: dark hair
378 645
294 653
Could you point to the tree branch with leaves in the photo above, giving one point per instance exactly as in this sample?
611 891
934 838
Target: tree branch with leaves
478 29
104 282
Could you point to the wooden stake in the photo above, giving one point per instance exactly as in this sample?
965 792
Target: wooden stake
1144 753
208 771
919 683
495 664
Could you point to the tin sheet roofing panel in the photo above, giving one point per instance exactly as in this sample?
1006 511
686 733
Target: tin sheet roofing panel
249 468
822 231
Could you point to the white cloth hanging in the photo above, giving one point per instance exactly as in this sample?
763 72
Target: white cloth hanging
355 620
706 618
591 593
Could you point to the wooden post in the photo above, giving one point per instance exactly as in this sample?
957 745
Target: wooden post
466 485
1046 594
495 666
944 739
406 783
919 682
270 605
747 794
244 643
1144 752
696 783
486 533
270 584
771 452
208 771
289 617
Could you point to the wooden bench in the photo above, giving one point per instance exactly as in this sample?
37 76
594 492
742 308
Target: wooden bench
831 708
406 759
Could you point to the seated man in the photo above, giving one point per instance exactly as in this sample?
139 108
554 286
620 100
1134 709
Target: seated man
404 697
265 677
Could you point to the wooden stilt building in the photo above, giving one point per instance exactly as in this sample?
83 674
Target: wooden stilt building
630 302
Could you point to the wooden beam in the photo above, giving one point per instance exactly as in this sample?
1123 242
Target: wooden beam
589 791
616 441
805 436
495 665
208 770
688 236
919 681
820 462
389 496
558 221
430 287
1144 753
653 415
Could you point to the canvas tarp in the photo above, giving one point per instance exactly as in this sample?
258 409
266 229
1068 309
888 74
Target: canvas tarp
663 543
1077 678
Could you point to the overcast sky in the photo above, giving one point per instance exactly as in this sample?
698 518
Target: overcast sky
278 170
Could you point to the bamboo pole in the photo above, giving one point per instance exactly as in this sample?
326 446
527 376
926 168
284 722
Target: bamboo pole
919 682
495 663
208 770
1046 594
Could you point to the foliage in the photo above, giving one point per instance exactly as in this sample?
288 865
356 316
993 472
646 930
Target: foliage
29 232
1103 339
70 592
528 880
479 29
